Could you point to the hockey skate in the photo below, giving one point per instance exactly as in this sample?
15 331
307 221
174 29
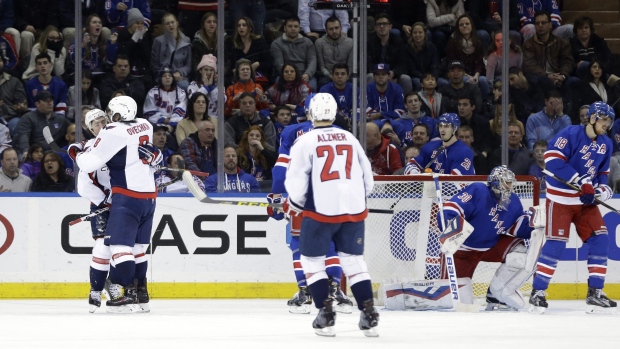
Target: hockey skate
326 319
598 303
494 304
301 302
369 319
143 297
123 299
343 303
538 302
94 299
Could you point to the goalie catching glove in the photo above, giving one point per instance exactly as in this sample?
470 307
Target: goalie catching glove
456 232
275 213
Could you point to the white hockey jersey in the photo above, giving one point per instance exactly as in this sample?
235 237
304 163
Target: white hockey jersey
160 104
329 176
95 185
117 147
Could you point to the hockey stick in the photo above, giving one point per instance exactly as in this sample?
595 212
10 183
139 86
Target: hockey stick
450 265
202 197
47 134
572 186
195 173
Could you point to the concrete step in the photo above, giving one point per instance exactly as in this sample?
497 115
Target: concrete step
568 17
588 5
607 30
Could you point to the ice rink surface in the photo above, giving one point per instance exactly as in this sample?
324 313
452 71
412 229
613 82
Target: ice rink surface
251 324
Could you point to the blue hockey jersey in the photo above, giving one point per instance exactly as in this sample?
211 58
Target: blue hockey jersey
528 8
572 154
344 98
456 159
390 104
403 127
478 206
56 87
289 135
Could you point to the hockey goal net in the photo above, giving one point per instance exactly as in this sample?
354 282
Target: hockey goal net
404 246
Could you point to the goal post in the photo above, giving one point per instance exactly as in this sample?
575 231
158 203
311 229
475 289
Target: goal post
404 247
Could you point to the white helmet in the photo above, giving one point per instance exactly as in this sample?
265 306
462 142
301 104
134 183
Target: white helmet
323 107
92 116
124 106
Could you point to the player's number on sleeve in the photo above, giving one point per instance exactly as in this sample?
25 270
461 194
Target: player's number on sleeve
327 174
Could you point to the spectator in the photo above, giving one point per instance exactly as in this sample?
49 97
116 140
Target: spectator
46 82
32 124
196 113
479 125
281 119
173 49
90 94
253 47
199 149
11 177
136 43
97 54
420 135
441 16
205 39
174 160
290 90
254 10
9 57
432 104
244 82
410 153
494 59
70 138
545 124
313 22
529 25
160 136
5 137
31 18
206 82
593 88
528 97
583 114
120 12
385 98
383 155
52 177
120 79
292 48
414 115
190 12
7 21
587 46
466 135
332 48
547 59
384 47
465 46
12 100
166 103
236 179
246 117
32 163
458 88
518 154
537 167
487 22
253 156
50 42
67 18
342 90
420 56
496 124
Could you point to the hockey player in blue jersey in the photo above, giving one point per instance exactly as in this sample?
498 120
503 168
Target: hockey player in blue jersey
579 155
448 155
302 300
493 216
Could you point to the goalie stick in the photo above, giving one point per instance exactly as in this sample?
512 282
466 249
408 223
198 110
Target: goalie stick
202 197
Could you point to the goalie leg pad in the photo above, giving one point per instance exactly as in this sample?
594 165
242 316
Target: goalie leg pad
456 232
510 276
354 266
537 240
314 267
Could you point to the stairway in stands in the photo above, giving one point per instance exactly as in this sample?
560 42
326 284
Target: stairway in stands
606 16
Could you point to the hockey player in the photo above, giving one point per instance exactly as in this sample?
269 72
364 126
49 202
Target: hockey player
133 192
301 301
165 103
448 155
328 179
493 216
580 155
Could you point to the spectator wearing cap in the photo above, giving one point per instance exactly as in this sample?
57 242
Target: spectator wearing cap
165 103
32 124
120 13
120 79
244 82
173 49
385 98
206 82
135 42
458 88
46 82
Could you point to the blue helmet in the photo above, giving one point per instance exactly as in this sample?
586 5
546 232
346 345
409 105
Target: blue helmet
450 118
601 108
500 181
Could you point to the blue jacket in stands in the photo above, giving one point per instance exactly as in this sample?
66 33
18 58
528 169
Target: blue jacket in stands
240 182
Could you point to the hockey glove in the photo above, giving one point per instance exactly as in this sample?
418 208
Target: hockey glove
586 195
107 201
149 154
603 192
291 209
275 213
74 149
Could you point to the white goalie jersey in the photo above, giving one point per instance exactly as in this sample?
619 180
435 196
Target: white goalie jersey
329 176
95 185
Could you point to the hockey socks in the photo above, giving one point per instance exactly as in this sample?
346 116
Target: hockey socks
597 260
97 279
123 269
332 264
299 271
547 262
319 291
362 291
99 265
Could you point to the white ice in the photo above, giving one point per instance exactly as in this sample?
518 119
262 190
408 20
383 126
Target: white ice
252 324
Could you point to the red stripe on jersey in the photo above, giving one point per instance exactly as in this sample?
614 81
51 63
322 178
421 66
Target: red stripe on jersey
550 155
297 265
455 207
550 190
101 260
336 219
283 159
134 194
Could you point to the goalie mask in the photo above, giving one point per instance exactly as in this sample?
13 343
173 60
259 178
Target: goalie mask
500 182
122 108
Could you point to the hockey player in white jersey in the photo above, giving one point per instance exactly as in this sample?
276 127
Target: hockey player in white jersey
133 193
328 179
